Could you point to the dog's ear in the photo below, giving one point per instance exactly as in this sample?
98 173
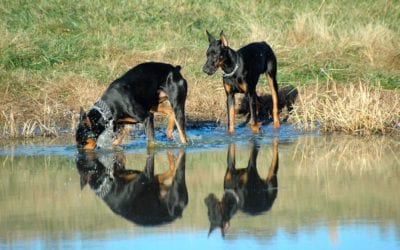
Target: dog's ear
210 37
222 37
83 118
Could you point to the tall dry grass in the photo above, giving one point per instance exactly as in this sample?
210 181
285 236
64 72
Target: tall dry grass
354 109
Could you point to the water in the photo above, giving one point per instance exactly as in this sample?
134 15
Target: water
323 192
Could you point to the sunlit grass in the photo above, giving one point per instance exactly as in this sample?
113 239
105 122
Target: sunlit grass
354 109
62 54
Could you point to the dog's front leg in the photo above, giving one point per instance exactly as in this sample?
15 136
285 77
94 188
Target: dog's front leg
231 161
181 124
230 103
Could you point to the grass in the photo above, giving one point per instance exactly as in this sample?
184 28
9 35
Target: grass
355 109
56 56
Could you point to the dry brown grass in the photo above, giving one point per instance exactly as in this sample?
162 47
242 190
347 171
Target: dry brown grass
51 106
310 28
378 44
353 109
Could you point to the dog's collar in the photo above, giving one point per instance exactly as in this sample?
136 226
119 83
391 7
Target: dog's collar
106 185
231 191
232 73
234 70
102 107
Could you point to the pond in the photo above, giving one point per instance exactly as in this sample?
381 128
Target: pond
279 189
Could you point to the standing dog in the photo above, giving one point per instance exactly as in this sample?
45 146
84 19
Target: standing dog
243 189
242 70
131 99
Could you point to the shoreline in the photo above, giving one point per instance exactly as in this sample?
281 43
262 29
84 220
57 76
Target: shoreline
356 109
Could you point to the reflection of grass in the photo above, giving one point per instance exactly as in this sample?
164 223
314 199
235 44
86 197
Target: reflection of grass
355 156
72 51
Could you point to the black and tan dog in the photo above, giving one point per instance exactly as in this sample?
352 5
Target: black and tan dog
243 189
242 70
138 196
131 99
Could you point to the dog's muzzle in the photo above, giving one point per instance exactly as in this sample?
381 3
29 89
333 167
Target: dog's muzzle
208 70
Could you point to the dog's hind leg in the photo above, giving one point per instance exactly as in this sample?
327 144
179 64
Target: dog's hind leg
165 108
273 85
165 179
176 92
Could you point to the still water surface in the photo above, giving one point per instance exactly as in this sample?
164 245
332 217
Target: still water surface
277 190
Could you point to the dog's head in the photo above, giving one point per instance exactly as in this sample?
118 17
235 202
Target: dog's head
87 132
98 170
217 53
220 212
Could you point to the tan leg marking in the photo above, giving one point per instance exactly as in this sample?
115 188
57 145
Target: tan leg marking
274 162
165 179
166 108
256 127
231 128
243 87
274 102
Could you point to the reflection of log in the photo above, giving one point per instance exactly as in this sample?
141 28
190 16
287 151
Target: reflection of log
286 97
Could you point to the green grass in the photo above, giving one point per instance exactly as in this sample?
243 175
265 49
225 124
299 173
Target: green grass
46 43
43 35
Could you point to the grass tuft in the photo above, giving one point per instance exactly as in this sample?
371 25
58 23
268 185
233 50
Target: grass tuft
354 109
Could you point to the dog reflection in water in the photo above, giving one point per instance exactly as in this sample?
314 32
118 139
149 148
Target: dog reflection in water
244 189
139 196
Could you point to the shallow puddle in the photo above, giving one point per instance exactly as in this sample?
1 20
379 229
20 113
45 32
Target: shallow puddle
275 190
